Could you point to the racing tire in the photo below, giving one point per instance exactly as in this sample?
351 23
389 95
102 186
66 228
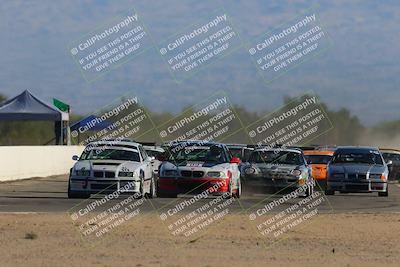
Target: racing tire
229 193
141 192
166 195
309 191
384 194
329 192
239 190
152 192
76 195
272 190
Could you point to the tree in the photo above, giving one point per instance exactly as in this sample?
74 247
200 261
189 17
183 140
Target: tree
346 128
2 98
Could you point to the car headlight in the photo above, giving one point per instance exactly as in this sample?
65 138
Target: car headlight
296 172
82 173
216 174
337 175
170 173
380 176
125 174
250 170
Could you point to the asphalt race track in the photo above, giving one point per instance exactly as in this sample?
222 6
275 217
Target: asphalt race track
49 195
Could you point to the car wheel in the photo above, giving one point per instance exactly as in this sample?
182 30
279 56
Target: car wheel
152 192
310 190
141 192
228 194
166 195
329 192
157 185
384 194
76 195
272 190
239 190
307 192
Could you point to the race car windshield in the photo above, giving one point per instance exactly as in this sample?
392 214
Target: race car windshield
273 157
110 154
204 154
236 152
153 153
365 158
318 159
391 156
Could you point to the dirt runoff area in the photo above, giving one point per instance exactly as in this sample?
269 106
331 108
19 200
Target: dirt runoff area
48 239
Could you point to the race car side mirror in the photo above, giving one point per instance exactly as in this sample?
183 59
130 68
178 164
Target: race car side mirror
235 160
389 162
75 157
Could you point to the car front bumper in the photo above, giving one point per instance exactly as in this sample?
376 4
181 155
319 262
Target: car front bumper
91 185
367 186
263 184
173 185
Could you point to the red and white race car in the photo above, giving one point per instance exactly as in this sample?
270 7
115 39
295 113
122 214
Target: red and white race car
199 166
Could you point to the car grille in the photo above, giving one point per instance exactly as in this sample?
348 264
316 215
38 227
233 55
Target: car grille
109 174
352 176
356 176
103 174
198 174
195 174
193 187
356 187
277 174
98 174
362 176
186 173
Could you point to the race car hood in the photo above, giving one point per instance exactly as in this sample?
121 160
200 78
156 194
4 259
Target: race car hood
195 166
265 168
356 168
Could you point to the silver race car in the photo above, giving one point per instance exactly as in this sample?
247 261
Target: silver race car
357 170
272 170
109 166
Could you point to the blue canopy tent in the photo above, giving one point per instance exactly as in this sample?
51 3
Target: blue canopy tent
27 107
98 126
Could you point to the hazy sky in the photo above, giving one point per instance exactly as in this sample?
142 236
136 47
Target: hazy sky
359 71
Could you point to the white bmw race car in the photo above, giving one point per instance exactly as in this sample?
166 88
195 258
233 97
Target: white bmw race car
108 166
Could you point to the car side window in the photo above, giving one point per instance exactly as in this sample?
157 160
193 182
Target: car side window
229 154
247 153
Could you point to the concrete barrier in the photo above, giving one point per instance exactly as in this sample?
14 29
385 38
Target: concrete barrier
20 162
